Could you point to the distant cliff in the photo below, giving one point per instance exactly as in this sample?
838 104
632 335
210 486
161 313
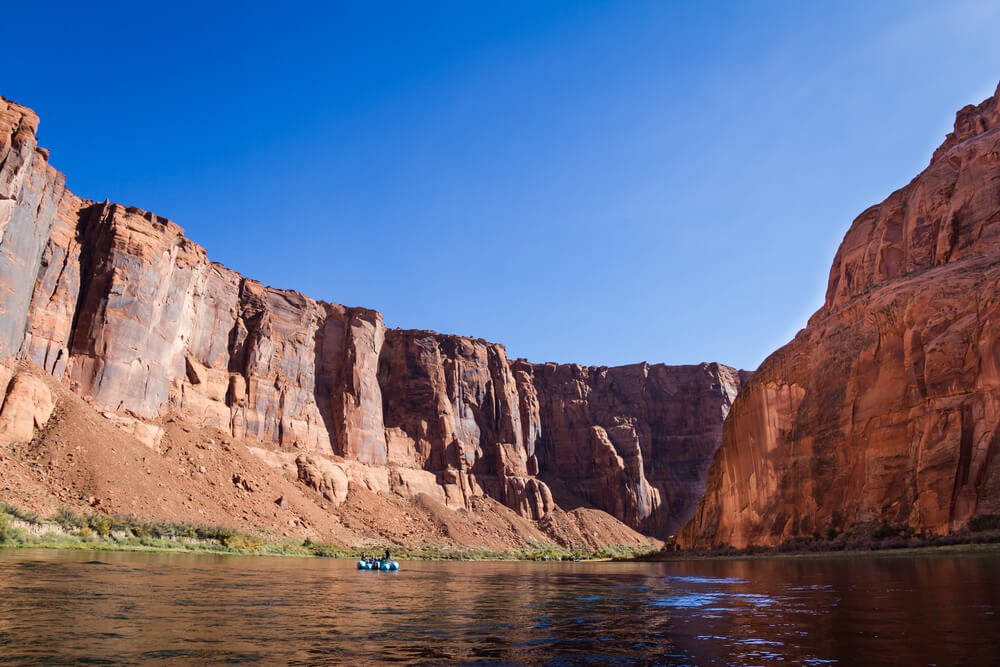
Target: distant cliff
885 408
118 306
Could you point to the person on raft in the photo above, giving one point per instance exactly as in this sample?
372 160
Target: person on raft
387 559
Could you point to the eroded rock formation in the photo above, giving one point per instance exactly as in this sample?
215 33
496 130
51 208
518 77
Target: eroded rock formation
885 407
25 407
116 304
633 439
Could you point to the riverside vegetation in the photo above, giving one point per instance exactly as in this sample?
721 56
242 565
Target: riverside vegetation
981 533
67 530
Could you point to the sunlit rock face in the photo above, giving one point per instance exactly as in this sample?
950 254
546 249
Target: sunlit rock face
118 305
886 406
35 207
25 407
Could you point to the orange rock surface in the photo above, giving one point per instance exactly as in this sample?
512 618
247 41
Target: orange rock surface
119 307
885 407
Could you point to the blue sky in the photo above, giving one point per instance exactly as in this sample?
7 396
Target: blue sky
588 182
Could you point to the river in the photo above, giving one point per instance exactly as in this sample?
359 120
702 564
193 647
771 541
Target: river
129 608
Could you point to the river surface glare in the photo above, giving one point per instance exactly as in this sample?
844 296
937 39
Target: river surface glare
129 608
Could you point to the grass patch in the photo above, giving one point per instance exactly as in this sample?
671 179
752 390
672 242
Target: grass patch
11 511
535 551
68 530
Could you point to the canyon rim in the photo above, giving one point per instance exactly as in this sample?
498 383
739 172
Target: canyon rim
884 409
141 378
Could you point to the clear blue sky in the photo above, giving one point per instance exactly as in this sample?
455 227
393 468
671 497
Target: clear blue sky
592 182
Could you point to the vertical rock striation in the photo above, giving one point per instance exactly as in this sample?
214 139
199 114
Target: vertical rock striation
35 206
885 407
116 303
635 440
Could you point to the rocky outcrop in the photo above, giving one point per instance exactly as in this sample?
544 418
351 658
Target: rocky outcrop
635 440
455 410
885 407
34 208
27 405
117 304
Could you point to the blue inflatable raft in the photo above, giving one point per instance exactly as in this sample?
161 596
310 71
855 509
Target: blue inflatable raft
378 565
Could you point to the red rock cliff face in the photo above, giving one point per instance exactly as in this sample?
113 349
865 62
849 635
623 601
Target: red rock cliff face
635 440
118 305
886 406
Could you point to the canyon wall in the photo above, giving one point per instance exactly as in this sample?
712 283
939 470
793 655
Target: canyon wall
885 407
633 439
120 307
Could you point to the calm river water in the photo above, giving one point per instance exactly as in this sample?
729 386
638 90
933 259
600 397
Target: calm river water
120 608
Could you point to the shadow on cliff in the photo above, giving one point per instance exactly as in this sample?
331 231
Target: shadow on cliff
323 386
563 496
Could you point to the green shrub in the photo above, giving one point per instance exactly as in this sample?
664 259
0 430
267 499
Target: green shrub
100 524
217 533
28 517
67 519
324 550
240 542
9 534
886 530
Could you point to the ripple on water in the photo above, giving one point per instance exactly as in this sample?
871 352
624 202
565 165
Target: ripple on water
687 600
95 661
811 587
715 598
706 580
755 599
769 613
766 655
761 642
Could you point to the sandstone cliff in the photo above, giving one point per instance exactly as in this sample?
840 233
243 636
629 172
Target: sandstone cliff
885 407
115 304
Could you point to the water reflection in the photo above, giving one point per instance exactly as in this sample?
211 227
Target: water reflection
175 609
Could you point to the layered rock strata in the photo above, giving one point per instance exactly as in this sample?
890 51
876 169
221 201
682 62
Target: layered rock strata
885 407
118 305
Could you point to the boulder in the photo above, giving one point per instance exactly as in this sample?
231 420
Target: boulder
27 406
